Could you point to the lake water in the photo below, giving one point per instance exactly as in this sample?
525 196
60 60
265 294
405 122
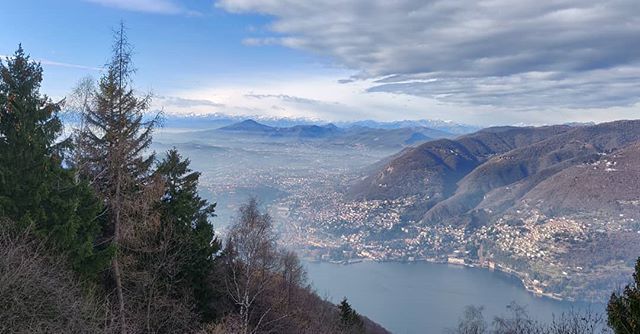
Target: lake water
426 297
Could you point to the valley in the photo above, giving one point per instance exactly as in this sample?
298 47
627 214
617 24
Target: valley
465 204
304 167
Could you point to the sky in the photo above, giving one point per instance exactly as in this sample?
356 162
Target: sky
481 62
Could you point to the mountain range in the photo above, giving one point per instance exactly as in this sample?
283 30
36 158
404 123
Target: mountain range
559 169
301 131
211 121
446 126
355 135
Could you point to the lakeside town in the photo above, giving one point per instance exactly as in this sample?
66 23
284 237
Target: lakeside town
561 257
540 251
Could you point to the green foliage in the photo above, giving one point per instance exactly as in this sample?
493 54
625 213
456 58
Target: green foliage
35 188
187 215
623 309
350 321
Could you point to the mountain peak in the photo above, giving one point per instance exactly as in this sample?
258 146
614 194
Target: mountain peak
247 125
330 126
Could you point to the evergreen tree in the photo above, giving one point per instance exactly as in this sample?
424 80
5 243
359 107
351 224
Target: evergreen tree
186 215
35 189
623 309
114 140
350 321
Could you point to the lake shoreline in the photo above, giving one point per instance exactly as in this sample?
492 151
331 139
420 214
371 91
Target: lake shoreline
527 284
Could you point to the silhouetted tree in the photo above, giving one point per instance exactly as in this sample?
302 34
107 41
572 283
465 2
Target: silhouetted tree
623 309
472 322
350 321
518 322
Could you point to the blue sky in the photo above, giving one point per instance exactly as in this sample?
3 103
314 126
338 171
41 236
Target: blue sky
172 51
482 62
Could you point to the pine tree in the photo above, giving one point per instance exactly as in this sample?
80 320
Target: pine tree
35 189
623 309
114 140
350 321
186 215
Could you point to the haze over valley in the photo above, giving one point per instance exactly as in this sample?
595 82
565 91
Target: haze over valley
506 199
546 204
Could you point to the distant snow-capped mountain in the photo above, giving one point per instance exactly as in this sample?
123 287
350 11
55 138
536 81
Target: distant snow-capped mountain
446 126
211 121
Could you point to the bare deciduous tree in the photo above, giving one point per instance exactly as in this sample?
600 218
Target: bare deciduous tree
39 293
518 321
252 259
472 322
78 104
293 275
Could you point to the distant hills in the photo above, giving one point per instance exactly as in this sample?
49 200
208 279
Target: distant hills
300 131
213 121
248 126
559 169
389 138
445 126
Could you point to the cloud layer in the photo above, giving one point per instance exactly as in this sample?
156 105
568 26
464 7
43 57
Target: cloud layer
322 97
509 53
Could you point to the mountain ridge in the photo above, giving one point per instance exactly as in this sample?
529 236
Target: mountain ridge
491 169
331 134
218 120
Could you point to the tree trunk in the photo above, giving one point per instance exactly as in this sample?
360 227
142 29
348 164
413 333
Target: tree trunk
116 266
118 279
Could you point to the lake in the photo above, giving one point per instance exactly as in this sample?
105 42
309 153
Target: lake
426 297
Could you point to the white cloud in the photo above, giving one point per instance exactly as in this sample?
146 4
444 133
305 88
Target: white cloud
518 54
48 62
147 6
175 102
322 97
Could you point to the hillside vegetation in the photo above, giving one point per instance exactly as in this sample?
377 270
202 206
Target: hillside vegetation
557 206
100 235
497 169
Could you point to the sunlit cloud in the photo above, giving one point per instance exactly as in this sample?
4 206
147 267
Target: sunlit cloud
324 98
